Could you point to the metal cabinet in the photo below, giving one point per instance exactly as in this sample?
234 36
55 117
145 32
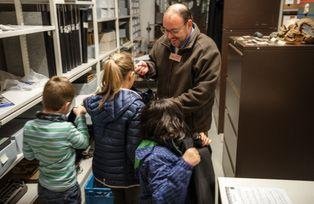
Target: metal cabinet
268 124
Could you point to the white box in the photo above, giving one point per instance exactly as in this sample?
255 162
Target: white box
7 156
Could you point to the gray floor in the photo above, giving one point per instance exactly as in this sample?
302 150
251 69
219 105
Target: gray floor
217 146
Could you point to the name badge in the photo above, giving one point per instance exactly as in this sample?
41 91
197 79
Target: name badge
175 57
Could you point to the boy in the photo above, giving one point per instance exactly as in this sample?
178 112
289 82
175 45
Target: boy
52 140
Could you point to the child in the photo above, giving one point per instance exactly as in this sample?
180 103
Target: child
115 117
52 140
164 170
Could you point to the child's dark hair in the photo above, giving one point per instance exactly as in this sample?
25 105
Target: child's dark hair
57 91
163 121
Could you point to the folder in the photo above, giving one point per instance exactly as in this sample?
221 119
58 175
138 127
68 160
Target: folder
84 30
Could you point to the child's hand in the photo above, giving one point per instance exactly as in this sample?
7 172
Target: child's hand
191 156
204 139
79 110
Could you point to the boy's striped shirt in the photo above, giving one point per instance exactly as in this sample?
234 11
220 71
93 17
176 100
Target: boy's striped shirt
54 144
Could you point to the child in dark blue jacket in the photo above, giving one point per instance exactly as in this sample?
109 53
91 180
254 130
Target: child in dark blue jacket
164 170
115 116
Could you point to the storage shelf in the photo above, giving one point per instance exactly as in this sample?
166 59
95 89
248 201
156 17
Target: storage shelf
31 195
80 70
106 54
47 2
106 19
127 45
22 99
19 157
77 2
24 30
137 39
124 17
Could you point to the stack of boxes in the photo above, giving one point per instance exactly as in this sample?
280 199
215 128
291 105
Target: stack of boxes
123 8
107 41
136 26
105 9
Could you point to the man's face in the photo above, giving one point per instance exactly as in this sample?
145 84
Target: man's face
176 29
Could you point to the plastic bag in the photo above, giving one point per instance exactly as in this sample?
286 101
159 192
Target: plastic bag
28 82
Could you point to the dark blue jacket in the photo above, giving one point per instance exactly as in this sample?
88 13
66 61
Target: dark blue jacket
164 176
117 134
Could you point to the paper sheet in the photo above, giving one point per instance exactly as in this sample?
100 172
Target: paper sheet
257 195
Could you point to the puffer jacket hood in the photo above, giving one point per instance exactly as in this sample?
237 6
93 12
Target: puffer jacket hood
111 109
143 150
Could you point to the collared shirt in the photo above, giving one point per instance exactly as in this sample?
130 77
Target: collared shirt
185 42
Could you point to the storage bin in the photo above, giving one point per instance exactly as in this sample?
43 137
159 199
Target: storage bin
97 195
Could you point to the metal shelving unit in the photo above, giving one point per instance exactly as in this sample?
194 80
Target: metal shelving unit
24 100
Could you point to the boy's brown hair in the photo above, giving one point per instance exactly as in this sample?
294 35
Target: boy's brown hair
57 91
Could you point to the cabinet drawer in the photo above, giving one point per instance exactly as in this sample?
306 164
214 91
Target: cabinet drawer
233 104
230 139
216 111
226 163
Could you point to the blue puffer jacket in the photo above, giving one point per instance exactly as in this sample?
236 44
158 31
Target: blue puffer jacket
164 177
117 134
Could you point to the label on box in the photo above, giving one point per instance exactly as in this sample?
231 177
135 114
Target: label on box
3 159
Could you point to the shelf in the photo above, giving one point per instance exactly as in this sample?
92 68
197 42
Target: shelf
22 99
80 70
136 15
127 45
19 157
85 170
25 1
31 195
77 2
24 30
106 19
137 39
106 54
124 17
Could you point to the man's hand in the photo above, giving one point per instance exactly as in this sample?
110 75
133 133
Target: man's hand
141 68
204 139
191 156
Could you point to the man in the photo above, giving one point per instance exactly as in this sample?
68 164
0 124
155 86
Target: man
186 63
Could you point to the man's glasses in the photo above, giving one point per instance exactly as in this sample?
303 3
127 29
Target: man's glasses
174 31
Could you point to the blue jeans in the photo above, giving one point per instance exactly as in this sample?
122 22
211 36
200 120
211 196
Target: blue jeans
70 196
